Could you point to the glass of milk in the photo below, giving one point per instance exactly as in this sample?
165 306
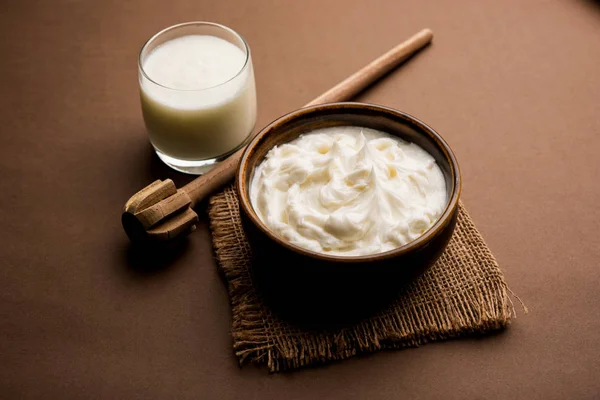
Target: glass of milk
198 94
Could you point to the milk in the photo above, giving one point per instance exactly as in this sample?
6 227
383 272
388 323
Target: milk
198 97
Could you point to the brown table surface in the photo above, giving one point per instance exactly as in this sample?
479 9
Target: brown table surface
513 86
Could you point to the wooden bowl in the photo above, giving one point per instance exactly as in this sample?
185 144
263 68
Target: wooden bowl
286 264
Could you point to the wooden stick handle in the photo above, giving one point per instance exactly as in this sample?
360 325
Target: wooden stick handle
201 187
360 80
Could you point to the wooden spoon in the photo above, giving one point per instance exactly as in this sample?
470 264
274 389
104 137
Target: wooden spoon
161 212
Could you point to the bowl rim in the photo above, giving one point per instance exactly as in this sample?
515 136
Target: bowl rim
387 112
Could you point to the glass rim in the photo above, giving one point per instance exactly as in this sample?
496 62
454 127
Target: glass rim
184 24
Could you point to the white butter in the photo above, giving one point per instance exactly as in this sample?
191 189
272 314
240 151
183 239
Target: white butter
348 191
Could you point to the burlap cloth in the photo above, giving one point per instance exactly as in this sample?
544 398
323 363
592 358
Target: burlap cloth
463 293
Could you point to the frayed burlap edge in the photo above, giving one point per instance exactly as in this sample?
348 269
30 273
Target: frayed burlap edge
464 293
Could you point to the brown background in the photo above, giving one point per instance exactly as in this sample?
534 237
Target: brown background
513 86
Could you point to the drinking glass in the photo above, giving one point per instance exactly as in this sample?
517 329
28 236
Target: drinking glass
193 129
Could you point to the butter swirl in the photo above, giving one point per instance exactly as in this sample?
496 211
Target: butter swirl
348 191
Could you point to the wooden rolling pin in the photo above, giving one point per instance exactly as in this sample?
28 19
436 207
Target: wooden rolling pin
161 212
